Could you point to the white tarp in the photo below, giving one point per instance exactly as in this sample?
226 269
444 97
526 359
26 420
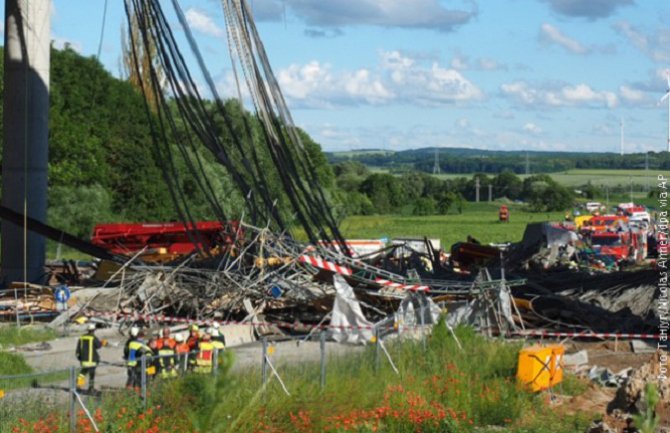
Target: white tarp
347 314
410 310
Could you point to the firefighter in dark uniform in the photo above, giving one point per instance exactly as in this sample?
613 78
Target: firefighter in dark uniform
133 351
88 356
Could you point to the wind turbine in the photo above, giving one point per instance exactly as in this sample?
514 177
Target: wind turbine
667 97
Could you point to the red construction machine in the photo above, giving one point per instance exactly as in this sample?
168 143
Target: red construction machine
164 242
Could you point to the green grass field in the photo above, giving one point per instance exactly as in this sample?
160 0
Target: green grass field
478 219
575 178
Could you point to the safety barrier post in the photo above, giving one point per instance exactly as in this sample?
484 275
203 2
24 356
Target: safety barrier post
215 362
322 346
73 400
144 381
423 324
264 364
377 349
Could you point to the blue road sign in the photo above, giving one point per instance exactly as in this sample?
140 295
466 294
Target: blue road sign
62 293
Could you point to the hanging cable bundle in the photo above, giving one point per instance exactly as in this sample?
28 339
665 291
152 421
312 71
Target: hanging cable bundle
246 162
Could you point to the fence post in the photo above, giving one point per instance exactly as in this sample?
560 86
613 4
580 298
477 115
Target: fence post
264 364
144 381
377 349
73 400
322 345
215 362
423 324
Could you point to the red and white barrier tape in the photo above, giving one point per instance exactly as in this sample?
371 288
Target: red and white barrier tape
320 263
409 287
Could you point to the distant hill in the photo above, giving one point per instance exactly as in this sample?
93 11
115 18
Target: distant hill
464 160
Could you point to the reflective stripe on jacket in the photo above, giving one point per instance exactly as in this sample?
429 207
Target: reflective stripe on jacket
136 349
204 357
87 350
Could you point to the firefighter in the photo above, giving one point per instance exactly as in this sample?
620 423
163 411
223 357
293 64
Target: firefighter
219 335
182 352
217 343
133 351
155 361
166 354
503 214
193 342
88 356
203 360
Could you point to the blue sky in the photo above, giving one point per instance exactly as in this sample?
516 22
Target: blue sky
399 74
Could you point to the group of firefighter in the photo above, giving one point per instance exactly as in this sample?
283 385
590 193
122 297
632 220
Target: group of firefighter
166 356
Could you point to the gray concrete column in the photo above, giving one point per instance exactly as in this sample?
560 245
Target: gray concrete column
26 134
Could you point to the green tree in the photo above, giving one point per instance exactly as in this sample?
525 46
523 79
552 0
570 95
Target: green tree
425 206
384 191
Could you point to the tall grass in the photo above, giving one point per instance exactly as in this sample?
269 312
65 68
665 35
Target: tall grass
441 389
11 335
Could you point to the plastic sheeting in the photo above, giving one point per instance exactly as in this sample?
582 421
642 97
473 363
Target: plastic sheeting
347 319
413 307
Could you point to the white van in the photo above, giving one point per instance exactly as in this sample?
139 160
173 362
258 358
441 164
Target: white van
593 206
640 216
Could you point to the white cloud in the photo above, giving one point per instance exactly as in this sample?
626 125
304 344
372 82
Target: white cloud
655 45
398 79
201 22
551 34
462 63
632 95
580 95
490 64
315 85
459 63
532 128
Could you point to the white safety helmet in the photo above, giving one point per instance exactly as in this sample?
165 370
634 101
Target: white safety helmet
216 325
134 331
91 327
214 332
179 338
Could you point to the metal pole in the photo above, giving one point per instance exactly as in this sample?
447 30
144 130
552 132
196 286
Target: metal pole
423 324
377 348
73 400
144 380
26 135
264 364
322 345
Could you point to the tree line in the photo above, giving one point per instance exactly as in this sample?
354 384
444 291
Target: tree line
366 192
465 161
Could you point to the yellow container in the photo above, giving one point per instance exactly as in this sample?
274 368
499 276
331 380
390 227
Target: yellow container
541 367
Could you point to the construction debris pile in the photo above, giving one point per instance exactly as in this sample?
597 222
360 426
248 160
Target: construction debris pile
254 274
